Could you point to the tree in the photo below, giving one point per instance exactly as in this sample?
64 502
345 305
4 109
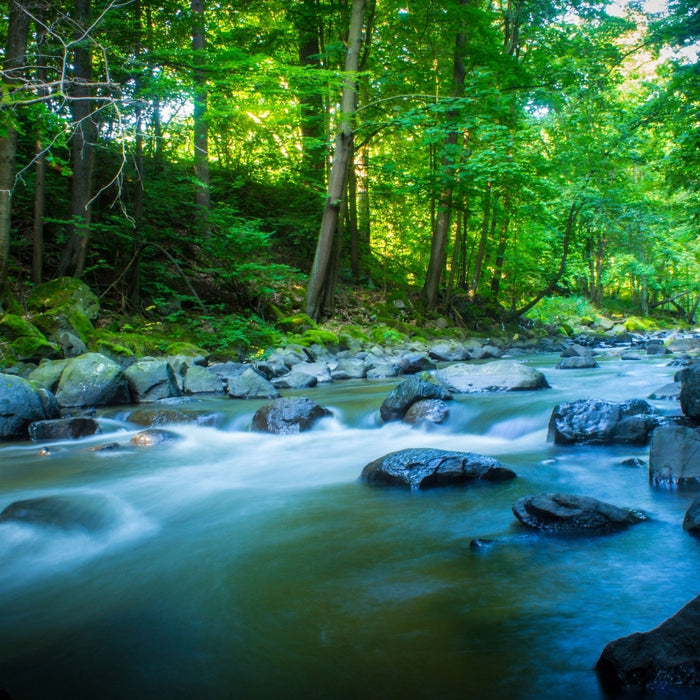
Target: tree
201 127
318 278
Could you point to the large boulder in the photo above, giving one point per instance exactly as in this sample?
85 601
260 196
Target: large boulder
499 375
674 457
294 380
67 292
21 404
48 374
418 387
667 657
201 380
152 379
349 368
577 362
568 513
92 380
449 351
288 415
596 422
250 385
689 378
415 362
27 343
425 468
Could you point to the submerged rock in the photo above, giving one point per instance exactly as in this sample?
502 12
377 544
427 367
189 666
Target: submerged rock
425 468
153 437
91 512
288 415
170 415
498 375
419 387
64 428
568 513
595 422
666 657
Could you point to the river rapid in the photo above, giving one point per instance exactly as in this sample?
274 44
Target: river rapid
243 565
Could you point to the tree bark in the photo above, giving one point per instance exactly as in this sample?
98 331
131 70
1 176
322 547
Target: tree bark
202 198
84 133
481 250
339 170
436 265
15 59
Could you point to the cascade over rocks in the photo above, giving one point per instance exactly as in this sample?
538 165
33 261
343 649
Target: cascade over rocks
288 415
21 404
568 513
425 468
497 375
595 422
674 457
416 388
666 657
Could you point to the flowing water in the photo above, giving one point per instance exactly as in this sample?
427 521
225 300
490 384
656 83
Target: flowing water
241 565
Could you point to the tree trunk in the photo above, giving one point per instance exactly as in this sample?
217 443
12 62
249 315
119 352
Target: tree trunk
202 198
318 277
15 59
568 233
500 252
436 265
481 251
84 133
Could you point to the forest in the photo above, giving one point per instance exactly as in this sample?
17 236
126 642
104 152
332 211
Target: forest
233 166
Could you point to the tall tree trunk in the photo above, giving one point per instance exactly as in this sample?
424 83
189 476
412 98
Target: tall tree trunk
202 197
501 251
568 234
318 278
355 243
481 251
13 66
84 134
436 265
40 165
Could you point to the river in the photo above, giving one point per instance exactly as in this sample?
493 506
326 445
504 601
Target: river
241 565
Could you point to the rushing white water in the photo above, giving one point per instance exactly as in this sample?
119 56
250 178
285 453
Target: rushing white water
241 565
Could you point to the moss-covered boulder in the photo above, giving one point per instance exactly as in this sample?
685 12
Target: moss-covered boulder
66 292
25 342
13 327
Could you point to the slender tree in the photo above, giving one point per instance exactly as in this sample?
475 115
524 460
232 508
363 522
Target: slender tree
201 126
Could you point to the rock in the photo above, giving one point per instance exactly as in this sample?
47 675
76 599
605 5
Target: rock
657 349
578 362
416 388
415 362
674 457
684 344
48 374
92 380
633 462
576 350
667 657
79 511
64 428
289 356
689 378
319 370
568 513
71 345
153 437
425 468
630 356
595 422
669 391
65 291
498 375
691 520
151 380
22 404
449 351
427 412
250 385
288 415
382 370
349 368
170 415
294 380
200 380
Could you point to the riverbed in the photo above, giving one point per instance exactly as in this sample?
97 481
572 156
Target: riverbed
242 565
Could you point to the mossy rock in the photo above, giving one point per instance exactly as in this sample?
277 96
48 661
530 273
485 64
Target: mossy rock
186 349
636 325
564 329
135 343
299 323
354 332
65 291
13 327
114 351
317 336
34 348
64 320
586 320
387 336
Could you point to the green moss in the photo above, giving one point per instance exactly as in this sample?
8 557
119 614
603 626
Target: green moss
133 343
34 348
186 349
67 292
112 350
387 336
316 336
636 325
64 319
13 327
299 323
